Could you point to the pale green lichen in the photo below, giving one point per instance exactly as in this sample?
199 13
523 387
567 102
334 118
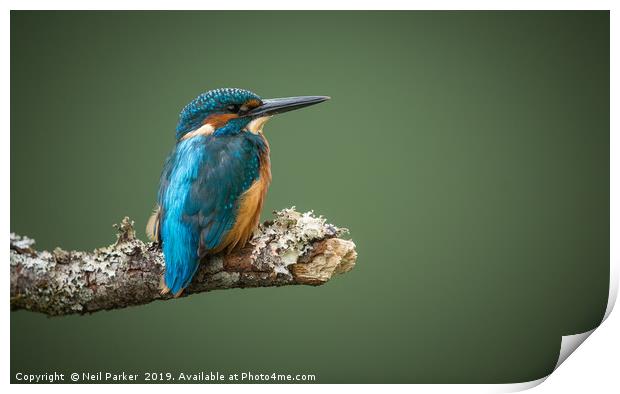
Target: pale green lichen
288 250
292 234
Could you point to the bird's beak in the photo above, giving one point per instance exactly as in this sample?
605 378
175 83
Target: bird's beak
280 105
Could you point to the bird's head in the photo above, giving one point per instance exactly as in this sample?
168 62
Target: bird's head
230 111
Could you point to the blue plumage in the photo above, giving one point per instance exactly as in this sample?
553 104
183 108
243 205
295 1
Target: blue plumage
201 184
180 240
193 114
213 183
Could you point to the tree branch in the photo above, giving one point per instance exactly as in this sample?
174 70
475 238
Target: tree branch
293 249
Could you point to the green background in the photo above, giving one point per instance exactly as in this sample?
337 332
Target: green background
468 152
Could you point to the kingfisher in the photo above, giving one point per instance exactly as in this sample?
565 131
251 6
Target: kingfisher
214 182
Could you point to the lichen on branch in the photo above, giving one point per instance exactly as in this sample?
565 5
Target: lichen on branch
293 249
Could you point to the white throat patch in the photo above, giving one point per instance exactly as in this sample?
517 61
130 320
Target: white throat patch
256 126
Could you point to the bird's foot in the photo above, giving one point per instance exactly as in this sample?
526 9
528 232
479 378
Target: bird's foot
163 289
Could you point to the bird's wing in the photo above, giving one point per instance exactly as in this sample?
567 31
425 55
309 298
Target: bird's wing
231 167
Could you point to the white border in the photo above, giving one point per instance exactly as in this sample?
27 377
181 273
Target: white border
598 369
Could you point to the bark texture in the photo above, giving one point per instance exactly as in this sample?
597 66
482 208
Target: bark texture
293 249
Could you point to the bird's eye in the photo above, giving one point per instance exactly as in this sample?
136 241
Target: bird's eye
234 108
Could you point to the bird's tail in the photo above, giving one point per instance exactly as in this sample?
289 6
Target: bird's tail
180 245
